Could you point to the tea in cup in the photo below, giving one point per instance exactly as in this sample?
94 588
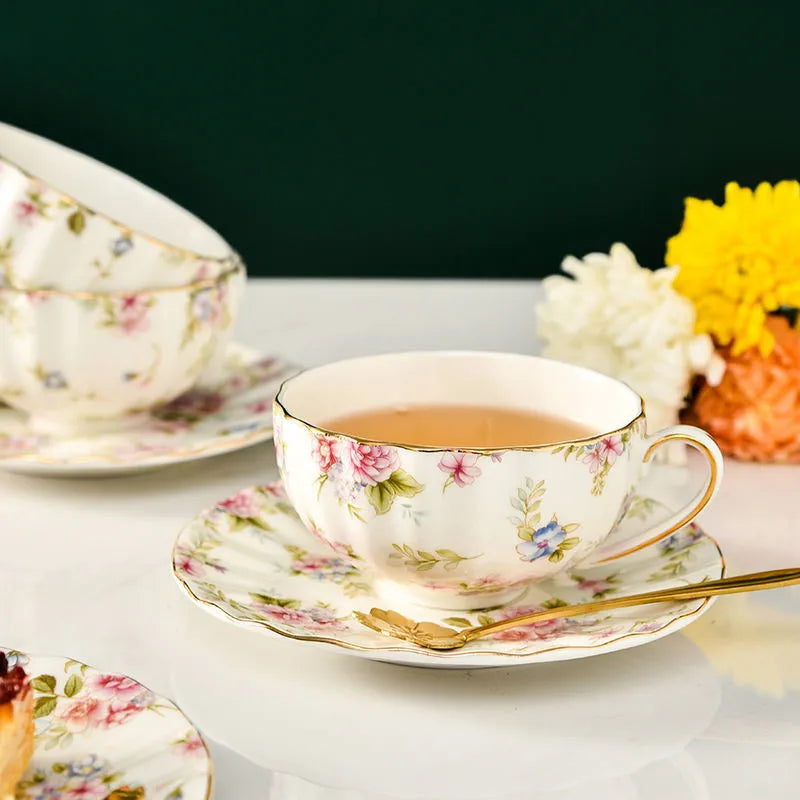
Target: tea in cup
461 477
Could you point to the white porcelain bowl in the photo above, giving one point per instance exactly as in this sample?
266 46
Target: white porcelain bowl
78 361
69 222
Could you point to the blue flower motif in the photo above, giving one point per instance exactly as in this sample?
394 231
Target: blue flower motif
85 768
54 380
545 542
13 658
681 539
121 246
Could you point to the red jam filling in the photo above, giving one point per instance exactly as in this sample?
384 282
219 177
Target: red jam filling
12 681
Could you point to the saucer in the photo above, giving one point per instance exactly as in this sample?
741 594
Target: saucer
97 732
196 425
251 561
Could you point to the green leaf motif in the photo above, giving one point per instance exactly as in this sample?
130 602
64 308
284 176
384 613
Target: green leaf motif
556 556
73 685
403 484
569 543
45 684
457 622
422 560
76 222
44 706
381 496
571 526
269 600
554 602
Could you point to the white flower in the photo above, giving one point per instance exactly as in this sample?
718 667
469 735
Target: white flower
627 321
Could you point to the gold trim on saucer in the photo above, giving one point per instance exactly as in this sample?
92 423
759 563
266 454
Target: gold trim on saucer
188 453
461 653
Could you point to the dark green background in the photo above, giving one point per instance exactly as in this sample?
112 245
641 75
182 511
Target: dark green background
432 138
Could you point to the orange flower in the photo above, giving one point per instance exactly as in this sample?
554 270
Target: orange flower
754 413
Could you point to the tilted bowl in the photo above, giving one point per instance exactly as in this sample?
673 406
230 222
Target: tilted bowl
70 222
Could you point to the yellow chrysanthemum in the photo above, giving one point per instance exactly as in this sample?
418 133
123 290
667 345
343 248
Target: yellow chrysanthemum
740 261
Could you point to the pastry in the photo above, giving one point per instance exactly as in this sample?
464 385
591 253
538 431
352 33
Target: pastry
16 726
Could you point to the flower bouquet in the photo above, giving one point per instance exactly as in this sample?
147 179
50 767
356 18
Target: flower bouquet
713 338
740 266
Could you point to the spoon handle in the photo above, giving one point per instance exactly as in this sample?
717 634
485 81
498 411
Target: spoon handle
752 582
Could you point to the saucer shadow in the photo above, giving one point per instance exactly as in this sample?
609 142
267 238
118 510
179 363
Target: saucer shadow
310 712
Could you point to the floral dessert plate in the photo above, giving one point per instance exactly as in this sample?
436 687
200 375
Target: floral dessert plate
100 735
237 413
251 561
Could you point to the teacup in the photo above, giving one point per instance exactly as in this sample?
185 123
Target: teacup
83 362
517 515
69 222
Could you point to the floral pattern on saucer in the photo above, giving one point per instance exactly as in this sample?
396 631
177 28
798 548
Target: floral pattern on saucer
251 560
101 735
234 414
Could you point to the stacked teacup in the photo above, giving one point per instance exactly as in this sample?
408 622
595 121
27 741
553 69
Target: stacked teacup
113 299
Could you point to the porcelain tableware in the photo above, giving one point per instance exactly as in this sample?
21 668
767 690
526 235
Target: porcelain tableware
440 637
99 734
69 222
470 528
251 562
78 361
236 412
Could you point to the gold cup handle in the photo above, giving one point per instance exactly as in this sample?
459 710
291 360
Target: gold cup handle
701 441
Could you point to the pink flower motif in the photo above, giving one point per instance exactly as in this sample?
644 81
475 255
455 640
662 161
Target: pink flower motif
259 407
610 448
132 313
191 745
276 490
120 713
461 466
288 616
236 383
192 404
325 452
497 457
87 788
593 586
243 504
189 566
81 713
370 464
594 458
114 687
38 298
546 629
26 211
202 272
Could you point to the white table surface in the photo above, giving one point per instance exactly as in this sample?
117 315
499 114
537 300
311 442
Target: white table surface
710 713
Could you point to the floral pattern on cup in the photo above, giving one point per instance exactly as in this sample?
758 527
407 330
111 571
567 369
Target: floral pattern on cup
599 456
308 590
50 229
190 425
143 352
550 540
128 314
359 472
81 750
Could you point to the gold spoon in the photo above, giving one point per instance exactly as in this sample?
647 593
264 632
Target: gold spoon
439 637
